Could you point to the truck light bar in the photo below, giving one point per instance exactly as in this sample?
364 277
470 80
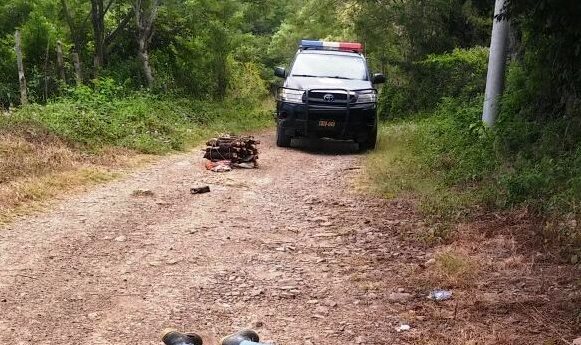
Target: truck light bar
343 46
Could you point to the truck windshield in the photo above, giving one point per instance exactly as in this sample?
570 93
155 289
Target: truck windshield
329 66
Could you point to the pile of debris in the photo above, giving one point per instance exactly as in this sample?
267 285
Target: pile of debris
230 151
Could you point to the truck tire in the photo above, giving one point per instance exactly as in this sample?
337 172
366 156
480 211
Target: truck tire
282 140
370 142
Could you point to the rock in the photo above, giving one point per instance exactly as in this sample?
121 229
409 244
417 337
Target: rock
142 193
430 262
322 310
404 328
257 324
577 341
359 340
257 292
331 304
399 297
120 238
400 290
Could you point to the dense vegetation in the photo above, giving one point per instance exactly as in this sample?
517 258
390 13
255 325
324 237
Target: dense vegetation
153 72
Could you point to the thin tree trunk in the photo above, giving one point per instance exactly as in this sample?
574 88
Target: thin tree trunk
144 57
98 16
145 18
73 30
21 77
60 61
46 71
78 71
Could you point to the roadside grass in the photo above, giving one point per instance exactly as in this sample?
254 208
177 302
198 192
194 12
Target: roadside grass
455 168
80 140
394 170
27 195
453 268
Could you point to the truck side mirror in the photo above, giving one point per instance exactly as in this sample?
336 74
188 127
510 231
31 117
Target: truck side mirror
280 72
378 78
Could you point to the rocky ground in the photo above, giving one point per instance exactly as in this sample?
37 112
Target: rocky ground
290 249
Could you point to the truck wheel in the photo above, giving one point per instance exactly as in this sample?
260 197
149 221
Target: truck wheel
282 140
370 141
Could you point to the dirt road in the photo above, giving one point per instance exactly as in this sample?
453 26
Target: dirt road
278 249
288 249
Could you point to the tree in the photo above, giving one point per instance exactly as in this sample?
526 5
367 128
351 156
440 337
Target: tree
145 14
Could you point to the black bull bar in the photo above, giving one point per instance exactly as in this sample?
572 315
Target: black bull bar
339 105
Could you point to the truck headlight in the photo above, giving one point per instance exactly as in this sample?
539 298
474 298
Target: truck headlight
291 96
367 97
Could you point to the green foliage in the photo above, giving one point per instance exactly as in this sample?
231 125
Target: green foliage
109 115
454 165
461 73
441 158
326 19
550 53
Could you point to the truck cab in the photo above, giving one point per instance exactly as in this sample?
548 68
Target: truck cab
328 92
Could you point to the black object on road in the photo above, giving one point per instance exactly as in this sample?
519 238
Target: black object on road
172 337
246 336
200 190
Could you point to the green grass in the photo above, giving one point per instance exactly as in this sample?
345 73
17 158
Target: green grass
431 159
141 122
454 167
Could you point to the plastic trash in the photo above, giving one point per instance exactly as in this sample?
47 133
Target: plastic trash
440 295
404 328
219 166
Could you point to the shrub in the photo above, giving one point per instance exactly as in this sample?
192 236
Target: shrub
461 74
108 115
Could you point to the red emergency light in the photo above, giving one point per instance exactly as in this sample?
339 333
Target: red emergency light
342 46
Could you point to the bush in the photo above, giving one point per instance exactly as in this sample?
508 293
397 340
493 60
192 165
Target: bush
108 115
460 74
453 164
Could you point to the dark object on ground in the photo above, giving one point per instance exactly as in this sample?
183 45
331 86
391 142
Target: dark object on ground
232 148
172 337
247 335
200 190
142 193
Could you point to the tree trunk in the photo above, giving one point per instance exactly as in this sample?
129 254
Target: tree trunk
98 20
145 14
21 77
78 72
144 57
73 30
60 61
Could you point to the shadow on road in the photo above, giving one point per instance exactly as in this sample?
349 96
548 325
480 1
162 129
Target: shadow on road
325 146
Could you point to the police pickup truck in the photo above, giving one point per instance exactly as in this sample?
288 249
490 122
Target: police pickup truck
328 93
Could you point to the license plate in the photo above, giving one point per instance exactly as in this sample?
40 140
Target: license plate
327 123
